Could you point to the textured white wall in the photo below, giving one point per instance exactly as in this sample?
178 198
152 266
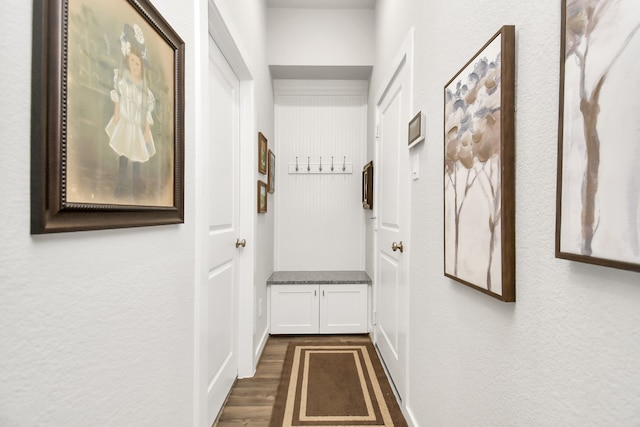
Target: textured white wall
96 328
566 353
319 223
320 36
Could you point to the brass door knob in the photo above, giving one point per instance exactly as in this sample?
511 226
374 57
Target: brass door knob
397 246
242 243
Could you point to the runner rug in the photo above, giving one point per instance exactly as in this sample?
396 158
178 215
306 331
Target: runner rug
334 385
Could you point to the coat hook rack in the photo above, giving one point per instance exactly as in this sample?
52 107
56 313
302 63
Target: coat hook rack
319 168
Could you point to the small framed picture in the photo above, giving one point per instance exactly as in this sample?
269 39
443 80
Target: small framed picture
271 176
262 197
262 153
367 186
416 129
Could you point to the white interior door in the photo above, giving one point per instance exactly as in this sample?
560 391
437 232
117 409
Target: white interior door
392 168
222 193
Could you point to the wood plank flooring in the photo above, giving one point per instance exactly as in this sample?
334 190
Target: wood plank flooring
251 399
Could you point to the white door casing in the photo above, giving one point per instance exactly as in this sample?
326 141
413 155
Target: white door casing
392 207
222 176
212 29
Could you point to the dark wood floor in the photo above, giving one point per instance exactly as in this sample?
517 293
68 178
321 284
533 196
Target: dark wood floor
251 399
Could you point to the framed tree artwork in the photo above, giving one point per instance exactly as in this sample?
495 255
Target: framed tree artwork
598 186
479 178
107 144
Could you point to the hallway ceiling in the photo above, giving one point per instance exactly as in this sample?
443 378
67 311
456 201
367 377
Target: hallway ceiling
322 4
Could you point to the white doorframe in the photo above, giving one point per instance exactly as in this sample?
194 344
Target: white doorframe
405 55
212 24
237 59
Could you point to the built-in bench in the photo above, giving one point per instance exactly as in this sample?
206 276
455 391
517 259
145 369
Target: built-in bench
319 302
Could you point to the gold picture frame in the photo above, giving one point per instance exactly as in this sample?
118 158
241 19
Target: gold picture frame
262 153
263 196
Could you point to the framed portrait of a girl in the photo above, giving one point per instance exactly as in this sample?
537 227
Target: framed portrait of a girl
107 118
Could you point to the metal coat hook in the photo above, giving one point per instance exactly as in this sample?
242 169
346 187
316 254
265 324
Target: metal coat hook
321 168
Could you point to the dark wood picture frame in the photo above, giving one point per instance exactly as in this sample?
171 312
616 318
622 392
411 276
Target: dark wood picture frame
598 183
72 163
479 175
263 196
367 186
271 175
262 153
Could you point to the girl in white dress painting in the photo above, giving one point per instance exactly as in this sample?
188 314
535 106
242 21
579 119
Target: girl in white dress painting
129 129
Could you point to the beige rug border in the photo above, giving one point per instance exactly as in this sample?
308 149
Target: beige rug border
278 414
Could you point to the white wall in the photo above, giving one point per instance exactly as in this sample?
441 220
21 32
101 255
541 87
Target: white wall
566 353
96 328
320 37
319 217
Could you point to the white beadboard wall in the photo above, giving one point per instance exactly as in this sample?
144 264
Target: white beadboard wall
319 221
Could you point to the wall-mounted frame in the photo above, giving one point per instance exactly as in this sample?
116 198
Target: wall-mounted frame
367 186
417 129
598 184
262 153
262 196
91 167
479 177
271 176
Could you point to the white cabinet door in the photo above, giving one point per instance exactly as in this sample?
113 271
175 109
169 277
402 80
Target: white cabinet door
294 309
343 309
325 309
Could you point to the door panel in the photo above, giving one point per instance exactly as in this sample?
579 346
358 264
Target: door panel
388 327
343 309
222 193
294 309
391 285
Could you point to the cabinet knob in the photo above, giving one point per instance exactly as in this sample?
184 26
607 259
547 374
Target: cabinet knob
397 246
242 243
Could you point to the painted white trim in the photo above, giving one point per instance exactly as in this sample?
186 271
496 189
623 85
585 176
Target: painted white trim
212 23
284 87
247 258
404 56
405 53
201 63
226 38
228 43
